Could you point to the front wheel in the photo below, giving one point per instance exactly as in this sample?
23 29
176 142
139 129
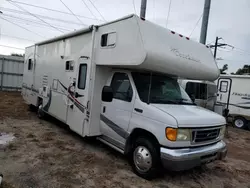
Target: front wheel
240 122
145 158
40 112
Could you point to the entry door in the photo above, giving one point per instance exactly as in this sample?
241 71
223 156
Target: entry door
78 98
224 89
115 115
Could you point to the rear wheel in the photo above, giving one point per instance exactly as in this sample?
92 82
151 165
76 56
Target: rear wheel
145 158
240 122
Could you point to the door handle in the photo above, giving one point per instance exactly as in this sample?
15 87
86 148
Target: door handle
138 110
104 109
76 95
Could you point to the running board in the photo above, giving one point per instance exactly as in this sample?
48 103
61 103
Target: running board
111 145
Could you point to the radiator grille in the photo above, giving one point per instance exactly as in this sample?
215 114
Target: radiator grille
199 136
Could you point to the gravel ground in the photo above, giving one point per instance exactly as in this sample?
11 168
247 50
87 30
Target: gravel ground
47 154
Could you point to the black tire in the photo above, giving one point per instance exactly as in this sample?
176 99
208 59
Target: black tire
32 108
153 149
240 122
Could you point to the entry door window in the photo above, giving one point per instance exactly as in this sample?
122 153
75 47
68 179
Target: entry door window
121 86
82 76
223 86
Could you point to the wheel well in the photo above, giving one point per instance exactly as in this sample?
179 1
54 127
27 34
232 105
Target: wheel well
239 117
138 132
39 101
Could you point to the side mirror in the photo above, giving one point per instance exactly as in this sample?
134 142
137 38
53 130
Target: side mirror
107 94
192 97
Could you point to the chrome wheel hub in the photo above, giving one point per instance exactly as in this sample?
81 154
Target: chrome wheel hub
239 123
142 159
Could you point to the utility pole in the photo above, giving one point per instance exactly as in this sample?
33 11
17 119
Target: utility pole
216 45
143 9
205 18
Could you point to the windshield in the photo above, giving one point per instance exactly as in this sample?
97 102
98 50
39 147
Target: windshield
162 90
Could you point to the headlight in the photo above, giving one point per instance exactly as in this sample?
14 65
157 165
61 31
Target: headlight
222 130
178 134
183 135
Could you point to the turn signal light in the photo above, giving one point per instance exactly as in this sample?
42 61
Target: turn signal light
171 134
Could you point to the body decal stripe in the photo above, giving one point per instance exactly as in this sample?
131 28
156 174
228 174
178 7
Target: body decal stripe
124 134
237 105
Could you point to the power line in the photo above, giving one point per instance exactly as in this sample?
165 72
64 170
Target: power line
239 61
39 25
18 6
44 17
29 21
196 25
11 47
97 10
230 51
54 10
20 38
210 42
169 7
241 49
89 9
134 6
72 12
21 26
154 9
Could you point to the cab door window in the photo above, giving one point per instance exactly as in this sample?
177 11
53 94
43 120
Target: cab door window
121 86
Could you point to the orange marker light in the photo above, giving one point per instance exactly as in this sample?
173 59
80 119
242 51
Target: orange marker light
171 134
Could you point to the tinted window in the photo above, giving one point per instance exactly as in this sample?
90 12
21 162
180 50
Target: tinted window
121 87
82 76
30 64
199 90
108 39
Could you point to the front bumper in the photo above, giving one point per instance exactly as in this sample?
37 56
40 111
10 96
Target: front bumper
187 158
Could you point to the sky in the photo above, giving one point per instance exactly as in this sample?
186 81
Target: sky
228 19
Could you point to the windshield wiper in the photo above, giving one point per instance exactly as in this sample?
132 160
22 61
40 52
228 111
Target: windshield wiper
163 101
182 101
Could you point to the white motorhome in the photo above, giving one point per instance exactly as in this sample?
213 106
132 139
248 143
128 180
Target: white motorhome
234 92
204 94
118 82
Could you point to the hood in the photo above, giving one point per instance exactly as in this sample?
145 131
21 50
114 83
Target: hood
192 116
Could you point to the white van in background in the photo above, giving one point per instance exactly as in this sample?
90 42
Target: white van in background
234 92
119 82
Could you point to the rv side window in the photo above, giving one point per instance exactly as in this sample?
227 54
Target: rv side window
223 86
121 86
108 39
30 64
69 66
82 76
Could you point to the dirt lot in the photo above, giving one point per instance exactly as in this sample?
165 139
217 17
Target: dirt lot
46 154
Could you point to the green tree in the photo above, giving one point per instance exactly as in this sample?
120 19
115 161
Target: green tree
18 55
224 68
244 70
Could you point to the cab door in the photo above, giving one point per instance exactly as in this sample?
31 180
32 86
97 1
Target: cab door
77 114
116 115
